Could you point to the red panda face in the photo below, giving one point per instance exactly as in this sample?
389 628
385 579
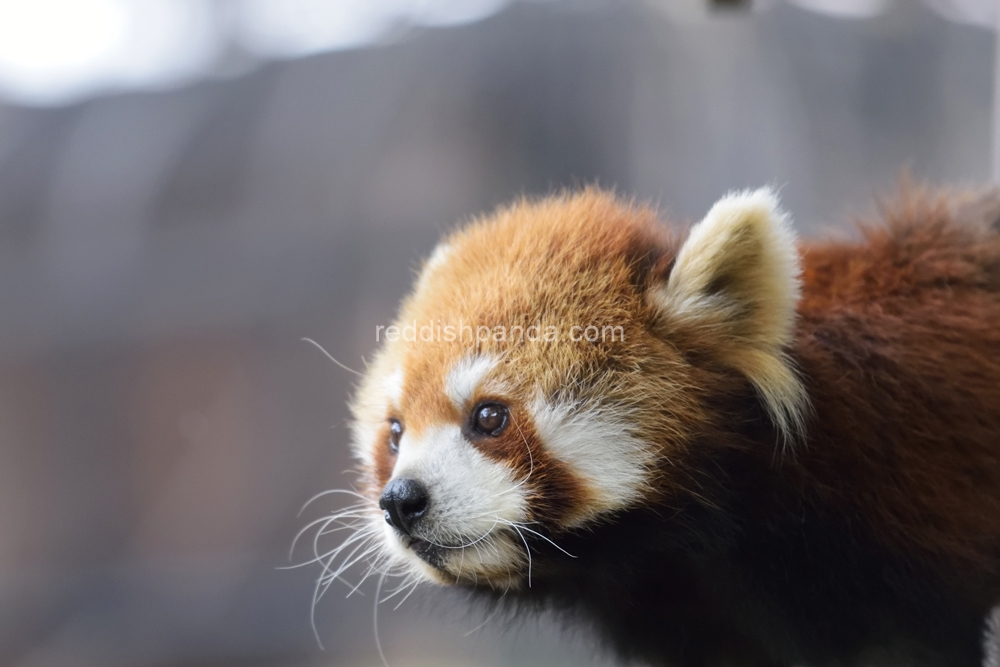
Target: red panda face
537 380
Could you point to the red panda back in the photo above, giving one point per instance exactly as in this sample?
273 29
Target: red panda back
899 343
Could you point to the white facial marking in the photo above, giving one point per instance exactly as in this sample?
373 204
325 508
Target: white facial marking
384 391
365 435
465 377
393 386
599 449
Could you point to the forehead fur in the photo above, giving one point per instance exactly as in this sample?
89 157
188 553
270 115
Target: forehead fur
538 252
575 259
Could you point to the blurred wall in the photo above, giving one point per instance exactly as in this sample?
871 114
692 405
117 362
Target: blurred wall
161 255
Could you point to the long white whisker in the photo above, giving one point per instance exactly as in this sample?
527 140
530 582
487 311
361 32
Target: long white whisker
329 555
461 564
325 521
330 356
366 501
358 525
468 544
535 532
531 460
312 613
527 550
363 578
364 546
378 642
319 558
402 586
416 583
371 568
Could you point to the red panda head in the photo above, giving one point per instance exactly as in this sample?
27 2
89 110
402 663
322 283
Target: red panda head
551 368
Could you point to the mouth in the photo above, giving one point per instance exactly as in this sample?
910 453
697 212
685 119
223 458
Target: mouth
431 554
499 569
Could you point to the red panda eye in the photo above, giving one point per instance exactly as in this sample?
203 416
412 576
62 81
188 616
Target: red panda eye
395 433
490 419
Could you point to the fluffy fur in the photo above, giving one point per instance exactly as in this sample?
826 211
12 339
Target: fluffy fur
782 454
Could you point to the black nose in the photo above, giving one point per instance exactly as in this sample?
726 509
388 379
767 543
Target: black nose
404 501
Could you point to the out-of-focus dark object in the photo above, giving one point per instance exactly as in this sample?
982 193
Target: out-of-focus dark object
730 4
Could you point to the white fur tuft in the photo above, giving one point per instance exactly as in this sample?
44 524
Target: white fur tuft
437 259
465 377
392 384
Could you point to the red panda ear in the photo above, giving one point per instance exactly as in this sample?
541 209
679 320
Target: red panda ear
733 291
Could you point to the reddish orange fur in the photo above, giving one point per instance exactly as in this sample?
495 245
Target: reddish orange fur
897 333
899 342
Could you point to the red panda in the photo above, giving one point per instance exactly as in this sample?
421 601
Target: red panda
719 447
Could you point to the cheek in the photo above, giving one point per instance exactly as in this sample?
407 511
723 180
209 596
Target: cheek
471 488
592 463
558 498
554 495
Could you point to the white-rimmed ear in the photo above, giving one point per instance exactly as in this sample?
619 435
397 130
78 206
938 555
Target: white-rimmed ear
733 288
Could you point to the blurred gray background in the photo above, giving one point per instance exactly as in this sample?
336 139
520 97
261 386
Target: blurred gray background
162 253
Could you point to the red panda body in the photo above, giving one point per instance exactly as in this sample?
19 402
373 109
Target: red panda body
789 455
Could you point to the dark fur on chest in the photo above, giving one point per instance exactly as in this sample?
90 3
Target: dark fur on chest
761 576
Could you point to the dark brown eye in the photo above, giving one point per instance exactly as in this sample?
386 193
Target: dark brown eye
490 419
395 433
